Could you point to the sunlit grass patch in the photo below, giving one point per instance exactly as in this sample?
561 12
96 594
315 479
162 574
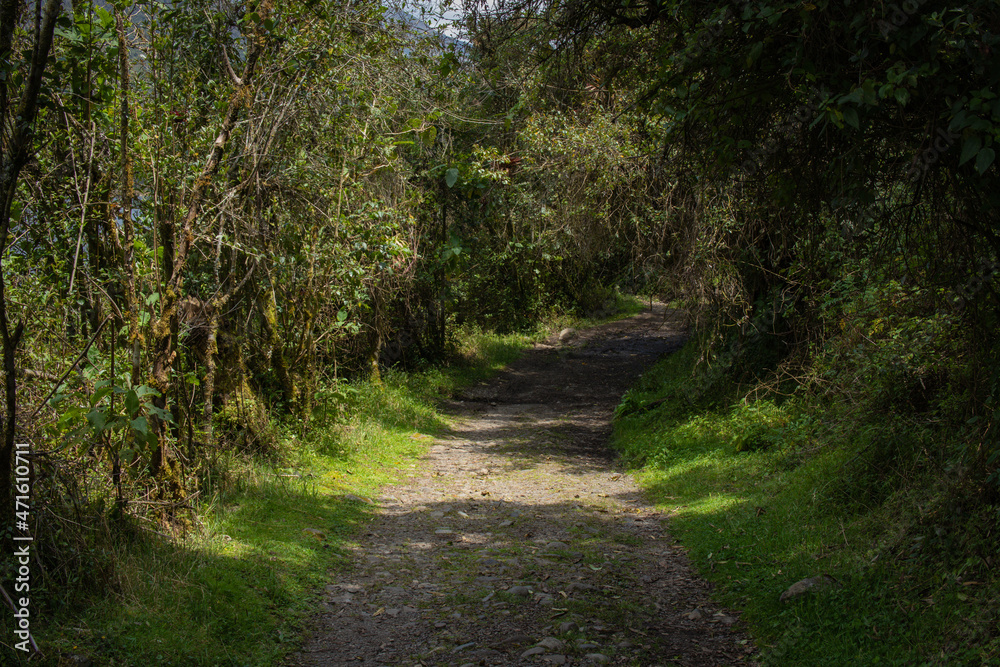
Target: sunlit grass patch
239 589
765 494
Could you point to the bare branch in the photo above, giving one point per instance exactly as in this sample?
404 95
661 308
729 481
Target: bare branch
229 68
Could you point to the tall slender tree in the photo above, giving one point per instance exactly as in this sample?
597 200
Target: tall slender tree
17 116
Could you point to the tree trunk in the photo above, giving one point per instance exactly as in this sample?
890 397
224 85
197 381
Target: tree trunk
270 323
211 351
375 374
165 465
131 302
216 304
15 153
440 315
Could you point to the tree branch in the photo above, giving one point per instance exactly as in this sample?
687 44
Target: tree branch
229 68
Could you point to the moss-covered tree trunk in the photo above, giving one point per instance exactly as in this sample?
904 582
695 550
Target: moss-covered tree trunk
269 310
165 465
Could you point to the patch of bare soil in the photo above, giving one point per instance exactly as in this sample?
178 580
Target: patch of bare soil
518 540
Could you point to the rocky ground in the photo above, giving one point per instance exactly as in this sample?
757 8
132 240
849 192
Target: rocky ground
518 541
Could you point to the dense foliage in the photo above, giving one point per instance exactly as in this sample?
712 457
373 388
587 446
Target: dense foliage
824 178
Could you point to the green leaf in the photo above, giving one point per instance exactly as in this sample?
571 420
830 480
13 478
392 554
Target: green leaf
132 402
970 147
981 125
851 117
71 415
984 160
160 412
451 177
107 20
97 419
853 97
140 425
99 395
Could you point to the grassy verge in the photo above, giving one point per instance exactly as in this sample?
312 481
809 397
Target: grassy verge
617 306
765 494
238 590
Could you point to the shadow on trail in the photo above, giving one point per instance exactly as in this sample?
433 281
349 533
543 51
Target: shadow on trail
557 401
514 569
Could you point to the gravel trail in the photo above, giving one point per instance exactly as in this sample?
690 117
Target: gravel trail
518 541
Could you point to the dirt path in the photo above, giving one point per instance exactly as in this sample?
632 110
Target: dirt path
518 541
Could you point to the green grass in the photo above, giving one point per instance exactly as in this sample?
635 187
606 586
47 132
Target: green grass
766 494
618 306
239 589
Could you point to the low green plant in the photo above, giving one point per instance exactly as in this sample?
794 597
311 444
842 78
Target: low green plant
96 407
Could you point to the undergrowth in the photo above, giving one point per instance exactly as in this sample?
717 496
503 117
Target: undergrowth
765 493
239 587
